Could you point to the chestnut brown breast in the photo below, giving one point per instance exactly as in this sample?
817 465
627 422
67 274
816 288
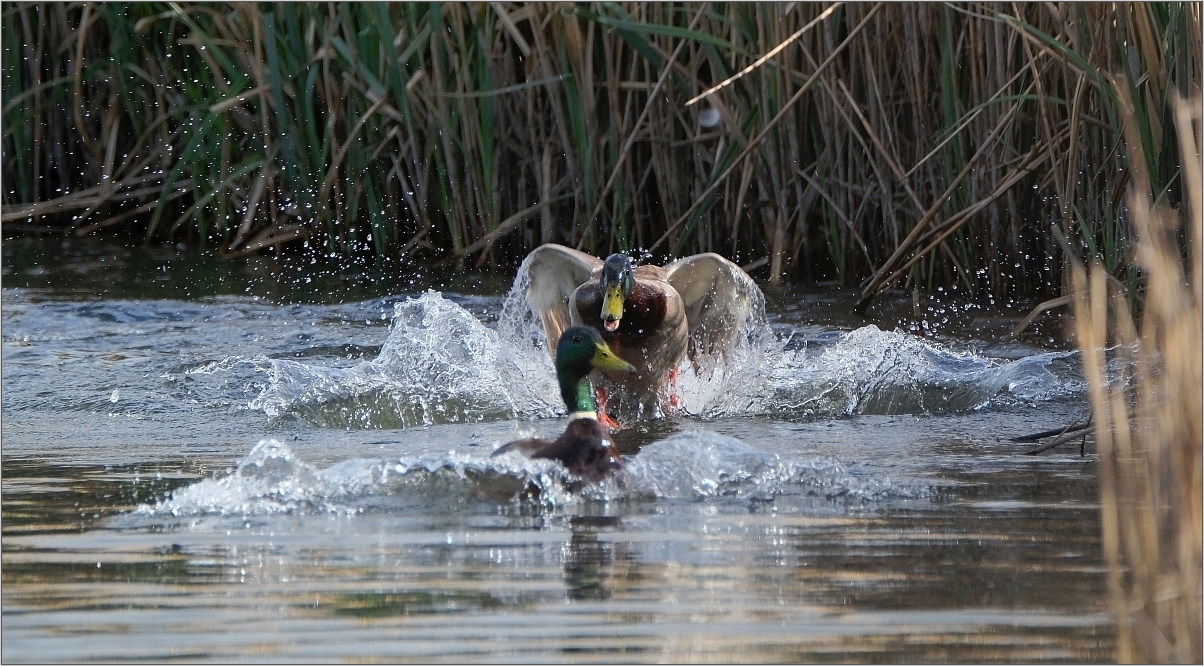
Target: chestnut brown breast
643 315
652 335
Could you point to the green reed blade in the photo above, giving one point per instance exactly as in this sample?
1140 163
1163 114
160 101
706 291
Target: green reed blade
638 28
197 208
229 67
357 65
197 137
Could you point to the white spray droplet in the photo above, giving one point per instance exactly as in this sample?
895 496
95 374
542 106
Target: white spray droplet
116 395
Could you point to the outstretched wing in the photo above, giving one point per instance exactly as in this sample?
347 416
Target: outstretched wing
555 272
718 298
528 447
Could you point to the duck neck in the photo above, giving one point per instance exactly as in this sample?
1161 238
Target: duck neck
578 398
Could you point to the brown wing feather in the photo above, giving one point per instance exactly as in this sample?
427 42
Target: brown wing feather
717 296
528 447
583 448
555 272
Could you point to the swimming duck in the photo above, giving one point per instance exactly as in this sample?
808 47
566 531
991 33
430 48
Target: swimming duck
652 317
584 447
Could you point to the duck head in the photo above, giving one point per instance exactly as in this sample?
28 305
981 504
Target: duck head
580 350
617 283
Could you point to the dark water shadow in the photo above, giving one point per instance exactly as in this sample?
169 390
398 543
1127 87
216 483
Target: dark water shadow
642 433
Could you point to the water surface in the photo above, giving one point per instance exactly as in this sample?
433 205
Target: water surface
207 460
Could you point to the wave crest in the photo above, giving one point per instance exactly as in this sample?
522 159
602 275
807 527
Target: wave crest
441 364
689 466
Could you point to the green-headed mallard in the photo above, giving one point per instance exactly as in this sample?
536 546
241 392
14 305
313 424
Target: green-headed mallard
584 448
652 317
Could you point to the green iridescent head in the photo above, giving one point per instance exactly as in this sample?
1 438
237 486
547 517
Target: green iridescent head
580 350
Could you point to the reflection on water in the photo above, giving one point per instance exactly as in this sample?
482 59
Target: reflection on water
970 575
218 477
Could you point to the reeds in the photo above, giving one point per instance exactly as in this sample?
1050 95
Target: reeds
915 145
1149 413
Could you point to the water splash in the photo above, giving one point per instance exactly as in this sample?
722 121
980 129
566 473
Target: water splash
690 466
870 371
272 480
441 364
700 465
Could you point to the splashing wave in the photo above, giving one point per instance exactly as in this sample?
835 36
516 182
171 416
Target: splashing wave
689 466
441 364
870 371
699 465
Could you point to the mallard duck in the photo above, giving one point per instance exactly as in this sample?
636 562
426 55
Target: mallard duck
652 317
584 448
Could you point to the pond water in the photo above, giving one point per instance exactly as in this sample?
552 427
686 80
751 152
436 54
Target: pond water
207 460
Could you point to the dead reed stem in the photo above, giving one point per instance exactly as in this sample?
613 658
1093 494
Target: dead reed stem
1150 447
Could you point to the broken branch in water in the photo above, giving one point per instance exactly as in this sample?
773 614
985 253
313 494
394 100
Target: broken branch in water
1062 439
1061 435
1047 305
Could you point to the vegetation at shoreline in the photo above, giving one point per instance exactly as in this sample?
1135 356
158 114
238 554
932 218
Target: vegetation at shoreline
972 146
1146 403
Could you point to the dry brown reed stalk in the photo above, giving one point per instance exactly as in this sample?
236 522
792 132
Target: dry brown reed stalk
1150 446
917 145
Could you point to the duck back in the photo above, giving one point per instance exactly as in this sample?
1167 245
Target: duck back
583 448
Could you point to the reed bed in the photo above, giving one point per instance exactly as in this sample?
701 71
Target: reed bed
970 146
1148 413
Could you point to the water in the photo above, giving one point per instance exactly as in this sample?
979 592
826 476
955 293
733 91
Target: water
219 461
